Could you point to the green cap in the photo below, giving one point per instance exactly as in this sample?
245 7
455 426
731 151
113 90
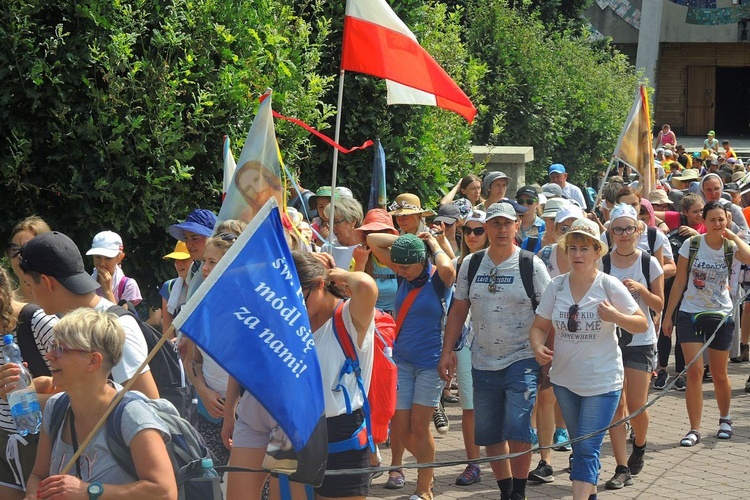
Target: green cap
408 249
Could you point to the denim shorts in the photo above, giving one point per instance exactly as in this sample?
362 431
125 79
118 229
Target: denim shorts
583 415
417 385
463 377
686 333
639 357
503 400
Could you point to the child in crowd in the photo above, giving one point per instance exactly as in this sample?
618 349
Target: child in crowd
174 292
107 250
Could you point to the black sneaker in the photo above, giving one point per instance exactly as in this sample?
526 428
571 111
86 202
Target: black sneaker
621 478
542 474
707 374
440 419
661 379
636 460
679 384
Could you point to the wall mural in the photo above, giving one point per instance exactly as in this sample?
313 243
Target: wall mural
703 12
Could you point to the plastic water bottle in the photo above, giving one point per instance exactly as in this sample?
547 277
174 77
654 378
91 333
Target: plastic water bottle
211 489
24 405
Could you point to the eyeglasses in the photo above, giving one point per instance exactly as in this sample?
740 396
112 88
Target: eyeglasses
57 350
13 249
619 231
227 236
492 287
478 231
564 229
573 318
307 295
526 201
340 221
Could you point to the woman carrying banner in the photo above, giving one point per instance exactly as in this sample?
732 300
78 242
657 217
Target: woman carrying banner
324 286
420 306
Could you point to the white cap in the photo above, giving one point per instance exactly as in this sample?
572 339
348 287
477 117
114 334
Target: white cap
568 211
106 243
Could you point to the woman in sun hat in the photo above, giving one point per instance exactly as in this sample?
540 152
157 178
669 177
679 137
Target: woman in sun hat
583 307
494 186
409 214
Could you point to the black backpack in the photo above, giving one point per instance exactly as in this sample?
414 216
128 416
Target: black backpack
26 342
526 268
166 365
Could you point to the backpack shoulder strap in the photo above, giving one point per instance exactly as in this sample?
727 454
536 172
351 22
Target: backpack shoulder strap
121 286
526 268
59 411
339 329
546 254
115 440
695 243
607 263
651 236
406 305
646 268
728 255
474 263
27 341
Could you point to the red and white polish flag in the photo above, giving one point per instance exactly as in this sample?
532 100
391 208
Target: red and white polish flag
378 43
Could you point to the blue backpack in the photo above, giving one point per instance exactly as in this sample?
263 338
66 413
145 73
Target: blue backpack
186 446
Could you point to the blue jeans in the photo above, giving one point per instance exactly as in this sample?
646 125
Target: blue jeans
503 400
583 415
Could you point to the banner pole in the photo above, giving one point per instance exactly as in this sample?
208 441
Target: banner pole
339 105
164 338
604 182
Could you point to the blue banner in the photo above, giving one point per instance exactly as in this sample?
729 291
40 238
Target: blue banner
249 316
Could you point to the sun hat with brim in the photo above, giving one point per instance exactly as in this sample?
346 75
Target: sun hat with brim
476 216
568 211
731 187
200 221
491 177
180 252
464 207
501 209
689 174
447 213
551 190
408 249
54 254
588 228
659 197
553 206
738 177
407 204
106 244
376 220
623 210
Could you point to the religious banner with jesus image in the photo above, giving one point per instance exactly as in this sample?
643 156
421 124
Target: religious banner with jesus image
249 316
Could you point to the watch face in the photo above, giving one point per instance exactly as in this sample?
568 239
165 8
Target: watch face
95 489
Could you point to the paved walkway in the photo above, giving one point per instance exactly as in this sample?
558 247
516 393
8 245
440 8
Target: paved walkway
713 469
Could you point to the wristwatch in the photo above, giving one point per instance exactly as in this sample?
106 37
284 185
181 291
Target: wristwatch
95 490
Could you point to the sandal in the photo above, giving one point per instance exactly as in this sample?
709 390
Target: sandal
421 495
691 438
725 433
395 482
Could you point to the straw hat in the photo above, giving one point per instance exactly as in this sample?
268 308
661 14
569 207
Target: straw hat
407 204
586 227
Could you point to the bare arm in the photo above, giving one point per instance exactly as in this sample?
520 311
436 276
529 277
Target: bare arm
230 417
380 244
211 399
443 262
451 194
453 326
364 294
541 329
743 249
166 318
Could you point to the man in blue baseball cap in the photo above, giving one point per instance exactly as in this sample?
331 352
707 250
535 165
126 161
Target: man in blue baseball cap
559 176
198 226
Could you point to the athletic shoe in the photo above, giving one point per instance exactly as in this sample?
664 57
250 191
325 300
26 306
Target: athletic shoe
621 478
679 384
561 436
440 419
472 474
707 374
636 460
661 379
542 474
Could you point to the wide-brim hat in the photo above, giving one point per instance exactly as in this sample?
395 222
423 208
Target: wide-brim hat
407 204
553 206
689 174
376 220
199 221
588 228
659 197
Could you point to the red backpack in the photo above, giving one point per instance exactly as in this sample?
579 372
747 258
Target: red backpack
380 402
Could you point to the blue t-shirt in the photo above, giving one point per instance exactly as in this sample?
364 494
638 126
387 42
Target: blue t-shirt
387 284
420 340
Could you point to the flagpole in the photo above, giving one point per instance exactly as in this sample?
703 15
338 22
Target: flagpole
604 182
339 104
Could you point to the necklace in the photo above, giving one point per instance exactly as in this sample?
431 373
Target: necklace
621 255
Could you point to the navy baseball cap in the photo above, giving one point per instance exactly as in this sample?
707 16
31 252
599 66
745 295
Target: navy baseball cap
200 221
54 254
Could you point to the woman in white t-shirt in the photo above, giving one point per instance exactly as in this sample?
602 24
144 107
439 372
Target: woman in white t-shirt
626 263
705 303
583 308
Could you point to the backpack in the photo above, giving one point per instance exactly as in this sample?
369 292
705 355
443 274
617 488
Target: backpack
380 402
695 243
526 268
166 365
186 446
645 266
26 342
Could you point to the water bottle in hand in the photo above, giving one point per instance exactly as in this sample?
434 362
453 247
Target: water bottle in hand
24 405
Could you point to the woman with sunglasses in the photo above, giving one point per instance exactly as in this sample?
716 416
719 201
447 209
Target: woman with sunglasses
87 343
583 308
21 233
474 239
628 264
701 288
531 224
30 326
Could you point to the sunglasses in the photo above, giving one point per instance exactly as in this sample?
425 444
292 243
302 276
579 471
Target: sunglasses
619 231
58 350
526 201
564 229
227 237
478 231
13 249
573 318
